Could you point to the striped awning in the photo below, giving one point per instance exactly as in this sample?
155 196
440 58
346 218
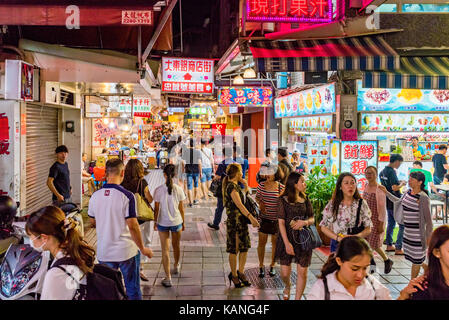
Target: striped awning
415 73
356 53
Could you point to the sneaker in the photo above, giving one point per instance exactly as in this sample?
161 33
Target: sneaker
195 202
212 226
190 205
388 266
176 269
166 283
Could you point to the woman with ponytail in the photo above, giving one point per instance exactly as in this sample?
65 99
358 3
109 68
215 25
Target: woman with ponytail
169 218
50 230
413 211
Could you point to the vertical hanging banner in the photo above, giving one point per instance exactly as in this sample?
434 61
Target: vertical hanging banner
356 157
186 75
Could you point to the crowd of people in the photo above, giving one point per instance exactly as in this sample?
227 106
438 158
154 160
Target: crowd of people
354 222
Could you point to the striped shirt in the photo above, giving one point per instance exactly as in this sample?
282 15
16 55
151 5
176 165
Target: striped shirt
270 200
413 248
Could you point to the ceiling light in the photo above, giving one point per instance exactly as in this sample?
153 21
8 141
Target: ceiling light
238 80
105 120
112 125
249 73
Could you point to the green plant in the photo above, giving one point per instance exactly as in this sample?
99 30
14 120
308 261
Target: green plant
319 190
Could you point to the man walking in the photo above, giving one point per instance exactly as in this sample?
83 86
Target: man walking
193 169
440 164
389 180
59 177
112 210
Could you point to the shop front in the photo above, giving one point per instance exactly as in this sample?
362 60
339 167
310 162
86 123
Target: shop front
394 117
309 120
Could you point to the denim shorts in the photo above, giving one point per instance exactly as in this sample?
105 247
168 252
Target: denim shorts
171 229
207 175
192 179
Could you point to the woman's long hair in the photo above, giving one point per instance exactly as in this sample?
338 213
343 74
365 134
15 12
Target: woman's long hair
133 174
337 196
420 177
231 173
169 171
52 221
434 274
290 189
348 248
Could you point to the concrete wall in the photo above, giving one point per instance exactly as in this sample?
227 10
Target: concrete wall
10 148
74 142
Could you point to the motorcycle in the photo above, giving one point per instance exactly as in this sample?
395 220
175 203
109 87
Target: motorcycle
8 236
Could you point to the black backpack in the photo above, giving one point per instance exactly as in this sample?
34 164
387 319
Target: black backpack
104 283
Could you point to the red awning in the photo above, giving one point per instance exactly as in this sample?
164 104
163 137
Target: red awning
53 13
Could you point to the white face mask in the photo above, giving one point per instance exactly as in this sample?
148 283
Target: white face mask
38 249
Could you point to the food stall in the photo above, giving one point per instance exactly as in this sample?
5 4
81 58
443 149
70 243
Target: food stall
311 125
394 116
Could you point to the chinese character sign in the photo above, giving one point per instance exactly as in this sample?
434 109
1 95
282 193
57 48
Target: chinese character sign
187 75
137 17
245 96
356 157
307 11
218 129
4 135
141 105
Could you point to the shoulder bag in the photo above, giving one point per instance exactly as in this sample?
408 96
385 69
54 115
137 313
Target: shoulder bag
307 238
144 211
252 207
357 229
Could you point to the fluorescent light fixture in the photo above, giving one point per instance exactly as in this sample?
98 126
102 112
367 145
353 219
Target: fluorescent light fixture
238 80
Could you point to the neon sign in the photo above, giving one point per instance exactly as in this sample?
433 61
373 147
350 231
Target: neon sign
307 11
245 96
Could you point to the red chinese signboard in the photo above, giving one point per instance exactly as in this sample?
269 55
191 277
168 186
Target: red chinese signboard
357 156
185 75
137 17
4 135
219 129
306 11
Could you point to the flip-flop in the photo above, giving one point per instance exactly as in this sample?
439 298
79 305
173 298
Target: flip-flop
399 254
390 250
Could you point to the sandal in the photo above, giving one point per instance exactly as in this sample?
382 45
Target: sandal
286 295
272 272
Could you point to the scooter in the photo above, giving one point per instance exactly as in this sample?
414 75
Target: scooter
8 236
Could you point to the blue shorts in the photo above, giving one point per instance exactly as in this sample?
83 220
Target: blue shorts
167 229
194 177
207 175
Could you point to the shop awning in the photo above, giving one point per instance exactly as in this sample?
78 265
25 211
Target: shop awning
414 73
356 53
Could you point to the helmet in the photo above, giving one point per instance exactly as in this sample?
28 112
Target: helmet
8 210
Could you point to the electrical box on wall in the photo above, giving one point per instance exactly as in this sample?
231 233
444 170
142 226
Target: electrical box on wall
58 94
70 126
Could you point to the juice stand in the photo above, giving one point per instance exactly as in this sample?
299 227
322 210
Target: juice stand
394 116
310 114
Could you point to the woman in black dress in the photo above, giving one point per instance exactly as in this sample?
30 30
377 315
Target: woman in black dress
295 212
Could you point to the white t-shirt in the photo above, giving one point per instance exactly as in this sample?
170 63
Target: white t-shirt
60 286
206 155
110 207
368 290
169 214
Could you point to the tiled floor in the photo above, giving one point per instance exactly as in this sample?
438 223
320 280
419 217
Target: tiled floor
204 265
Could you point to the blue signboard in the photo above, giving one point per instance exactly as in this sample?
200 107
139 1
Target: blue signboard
319 100
372 99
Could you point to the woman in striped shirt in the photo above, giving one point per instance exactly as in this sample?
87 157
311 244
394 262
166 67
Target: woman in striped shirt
413 211
267 196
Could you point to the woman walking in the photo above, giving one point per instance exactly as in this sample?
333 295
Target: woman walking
267 196
238 241
169 217
413 210
295 212
340 214
135 182
376 200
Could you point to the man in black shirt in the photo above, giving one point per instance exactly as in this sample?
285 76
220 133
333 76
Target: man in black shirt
440 165
389 179
193 170
283 158
59 177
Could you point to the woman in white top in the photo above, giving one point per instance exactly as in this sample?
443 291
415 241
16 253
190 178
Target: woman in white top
344 275
50 230
169 217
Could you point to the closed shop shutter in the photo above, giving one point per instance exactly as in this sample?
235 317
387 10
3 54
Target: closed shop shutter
41 142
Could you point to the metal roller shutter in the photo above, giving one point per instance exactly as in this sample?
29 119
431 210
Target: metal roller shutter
41 142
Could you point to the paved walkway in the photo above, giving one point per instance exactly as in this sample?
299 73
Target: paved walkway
204 266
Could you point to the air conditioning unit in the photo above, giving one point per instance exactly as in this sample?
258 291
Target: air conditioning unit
58 94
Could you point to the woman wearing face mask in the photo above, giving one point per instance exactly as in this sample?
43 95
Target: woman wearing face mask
377 203
295 212
50 230
413 210
340 214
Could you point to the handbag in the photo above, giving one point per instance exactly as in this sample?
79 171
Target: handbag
252 208
216 187
357 229
307 238
144 211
